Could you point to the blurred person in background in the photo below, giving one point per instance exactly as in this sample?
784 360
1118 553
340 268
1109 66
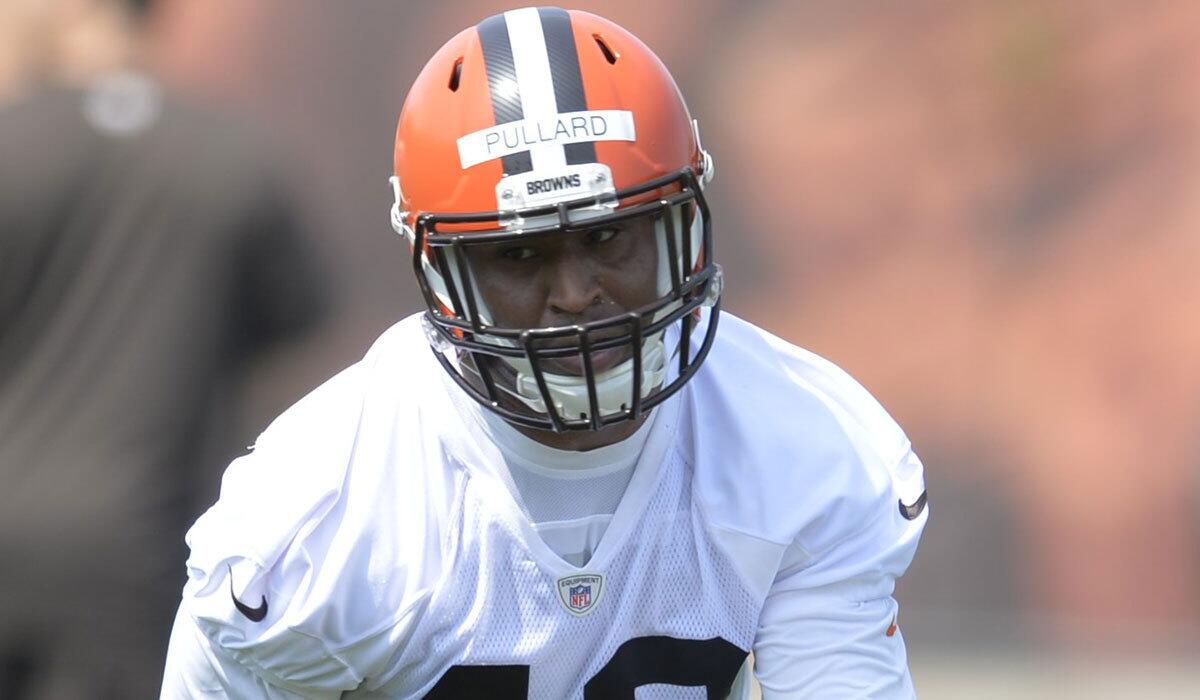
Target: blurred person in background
147 249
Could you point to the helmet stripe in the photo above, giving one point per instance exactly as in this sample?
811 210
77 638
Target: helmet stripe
502 84
533 72
568 79
537 84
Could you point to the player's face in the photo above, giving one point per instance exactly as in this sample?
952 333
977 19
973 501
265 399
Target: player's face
569 279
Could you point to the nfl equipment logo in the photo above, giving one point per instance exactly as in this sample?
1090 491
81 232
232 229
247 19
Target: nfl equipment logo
581 597
580 593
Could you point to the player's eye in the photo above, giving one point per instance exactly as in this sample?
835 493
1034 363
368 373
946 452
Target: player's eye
519 253
602 235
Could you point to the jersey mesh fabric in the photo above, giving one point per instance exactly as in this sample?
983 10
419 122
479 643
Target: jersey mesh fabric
571 516
568 496
667 578
552 495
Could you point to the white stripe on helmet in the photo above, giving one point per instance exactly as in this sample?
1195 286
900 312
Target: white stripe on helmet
534 80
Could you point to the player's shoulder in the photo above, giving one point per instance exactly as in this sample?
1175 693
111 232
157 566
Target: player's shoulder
750 367
391 377
335 521
789 448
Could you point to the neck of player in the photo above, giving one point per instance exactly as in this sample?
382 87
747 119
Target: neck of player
584 440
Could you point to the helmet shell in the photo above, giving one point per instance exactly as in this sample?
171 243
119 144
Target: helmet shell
453 97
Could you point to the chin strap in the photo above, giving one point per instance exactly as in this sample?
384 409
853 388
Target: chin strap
614 387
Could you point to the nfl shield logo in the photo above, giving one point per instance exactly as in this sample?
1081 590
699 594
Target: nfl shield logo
581 597
579 593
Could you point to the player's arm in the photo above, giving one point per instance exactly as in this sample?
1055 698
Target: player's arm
198 669
254 545
828 643
829 626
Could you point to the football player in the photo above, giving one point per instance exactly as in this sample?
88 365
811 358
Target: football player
571 476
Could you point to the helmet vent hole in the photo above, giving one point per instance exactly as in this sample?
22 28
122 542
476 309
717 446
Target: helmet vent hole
609 55
456 75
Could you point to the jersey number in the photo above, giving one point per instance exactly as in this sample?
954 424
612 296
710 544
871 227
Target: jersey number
712 663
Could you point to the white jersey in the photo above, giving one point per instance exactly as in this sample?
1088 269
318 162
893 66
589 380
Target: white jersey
570 497
369 547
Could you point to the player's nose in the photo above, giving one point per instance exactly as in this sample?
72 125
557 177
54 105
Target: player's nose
574 287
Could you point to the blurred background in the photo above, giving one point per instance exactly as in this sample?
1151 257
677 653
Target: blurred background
985 210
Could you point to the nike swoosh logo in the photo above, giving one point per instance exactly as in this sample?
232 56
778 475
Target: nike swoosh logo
253 614
911 512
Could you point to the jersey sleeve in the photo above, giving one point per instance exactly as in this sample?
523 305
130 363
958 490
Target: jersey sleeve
260 571
196 669
830 627
799 459
321 549
328 539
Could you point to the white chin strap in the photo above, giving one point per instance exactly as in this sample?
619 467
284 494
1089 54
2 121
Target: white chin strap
614 386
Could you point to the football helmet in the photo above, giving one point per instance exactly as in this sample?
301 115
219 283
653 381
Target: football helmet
544 122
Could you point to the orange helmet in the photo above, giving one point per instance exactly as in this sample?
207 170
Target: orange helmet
542 122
